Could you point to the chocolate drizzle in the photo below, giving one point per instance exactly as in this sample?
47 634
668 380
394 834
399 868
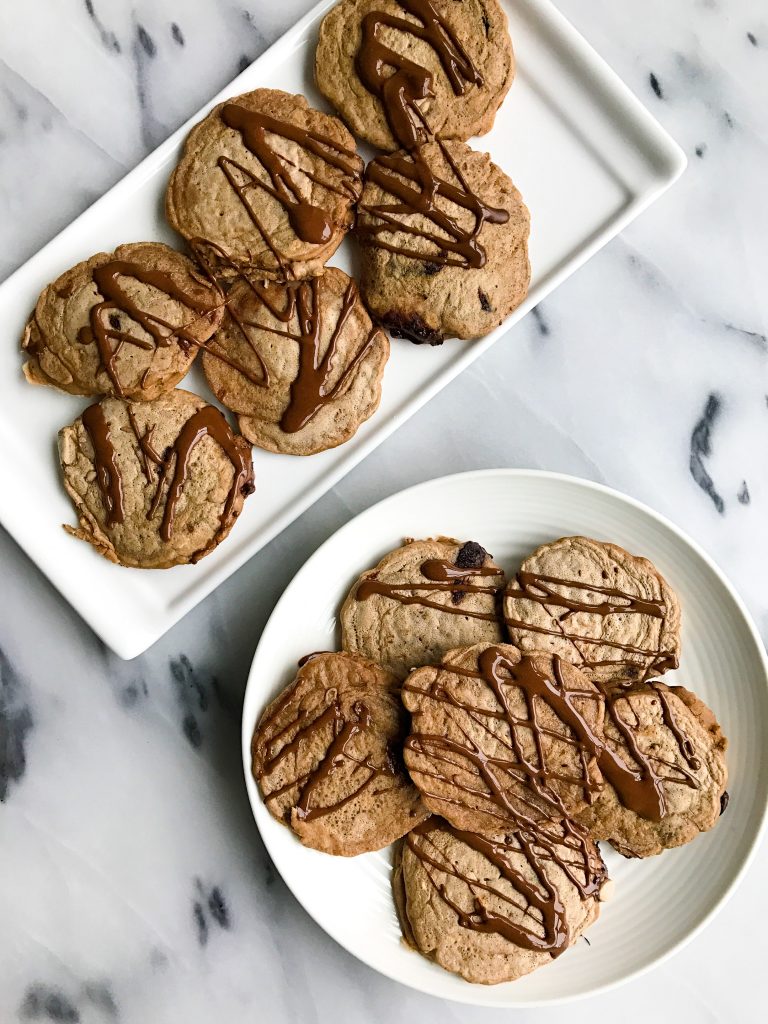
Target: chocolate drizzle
641 789
104 325
440 576
541 590
520 784
401 91
531 916
303 312
105 462
408 177
206 422
344 727
311 223
416 189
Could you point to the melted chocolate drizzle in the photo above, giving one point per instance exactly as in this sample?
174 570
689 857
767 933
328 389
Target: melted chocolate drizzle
206 422
408 177
416 189
641 789
104 326
338 756
311 223
105 461
542 590
530 770
538 923
401 91
441 575
311 388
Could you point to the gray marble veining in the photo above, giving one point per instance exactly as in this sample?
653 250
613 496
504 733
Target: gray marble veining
133 884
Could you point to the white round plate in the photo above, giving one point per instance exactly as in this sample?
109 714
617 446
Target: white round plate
657 904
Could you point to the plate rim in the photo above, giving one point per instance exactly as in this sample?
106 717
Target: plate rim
248 724
655 144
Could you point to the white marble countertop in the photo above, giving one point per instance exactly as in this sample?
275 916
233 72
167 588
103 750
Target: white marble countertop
133 884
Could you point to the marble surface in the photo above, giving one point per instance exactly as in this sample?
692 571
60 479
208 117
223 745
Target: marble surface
133 884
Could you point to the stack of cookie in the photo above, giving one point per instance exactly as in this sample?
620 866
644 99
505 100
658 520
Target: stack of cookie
443 231
499 729
264 192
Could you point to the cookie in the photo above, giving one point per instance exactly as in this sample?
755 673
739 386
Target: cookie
500 739
154 484
400 70
496 906
327 755
611 613
265 187
125 323
664 769
422 600
300 363
444 236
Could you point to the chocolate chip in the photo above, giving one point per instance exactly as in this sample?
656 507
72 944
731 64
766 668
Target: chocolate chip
471 556
485 302
432 268
412 327
114 321
724 802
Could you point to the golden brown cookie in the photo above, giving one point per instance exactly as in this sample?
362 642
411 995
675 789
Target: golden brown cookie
265 187
444 236
664 769
499 738
300 363
154 484
126 323
422 600
327 755
398 70
492 907
611 613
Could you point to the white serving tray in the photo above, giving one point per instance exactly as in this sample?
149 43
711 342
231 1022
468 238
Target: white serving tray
587 157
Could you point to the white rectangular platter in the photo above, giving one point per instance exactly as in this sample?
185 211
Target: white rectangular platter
568 128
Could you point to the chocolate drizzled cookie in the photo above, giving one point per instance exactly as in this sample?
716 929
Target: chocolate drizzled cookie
422 600
400 71
444 237
300 363
503 740
327 755
609 612
493 907
265 187
127 323
154 484
664 770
